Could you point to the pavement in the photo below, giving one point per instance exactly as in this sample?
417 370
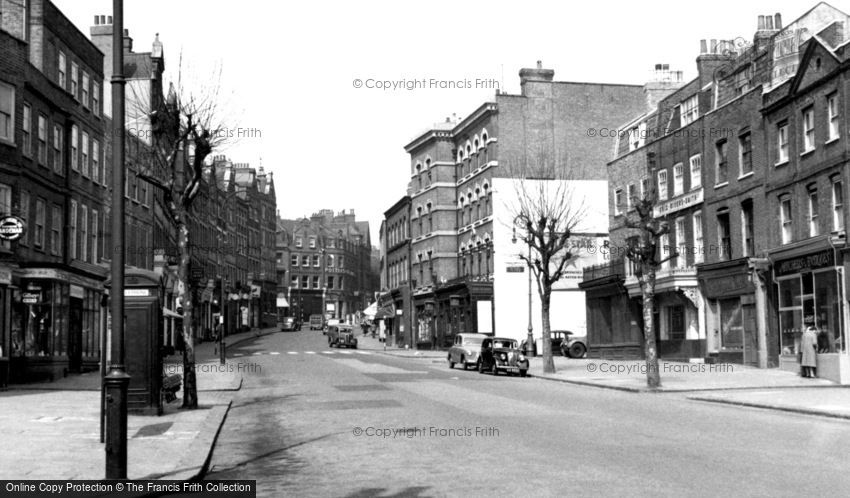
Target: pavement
725 383
59 419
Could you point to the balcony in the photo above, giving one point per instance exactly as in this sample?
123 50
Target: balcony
612 269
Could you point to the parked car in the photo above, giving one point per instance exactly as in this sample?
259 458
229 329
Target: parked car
502 353
288 323
317 322
465 350
341 335
568 344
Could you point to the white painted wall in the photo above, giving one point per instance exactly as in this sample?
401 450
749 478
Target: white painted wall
510 289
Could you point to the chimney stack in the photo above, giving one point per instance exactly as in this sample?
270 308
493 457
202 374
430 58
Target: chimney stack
530 80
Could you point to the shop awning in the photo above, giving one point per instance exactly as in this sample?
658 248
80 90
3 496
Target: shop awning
385 312
170 314
370 311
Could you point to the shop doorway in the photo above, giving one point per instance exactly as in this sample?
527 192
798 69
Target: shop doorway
75 335
748 312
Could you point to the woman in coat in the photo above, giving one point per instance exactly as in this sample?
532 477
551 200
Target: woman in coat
809 348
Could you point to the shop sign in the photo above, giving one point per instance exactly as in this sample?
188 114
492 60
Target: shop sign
515 269
678 203
5 277
31 297
727 285
814 261
11 228
137 292
77 291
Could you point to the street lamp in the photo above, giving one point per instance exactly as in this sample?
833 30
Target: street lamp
530 349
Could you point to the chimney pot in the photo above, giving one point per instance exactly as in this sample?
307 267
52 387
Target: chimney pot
108 19
713 46
777 22
768 22
658 67
703 47
96 20
761 23
539 64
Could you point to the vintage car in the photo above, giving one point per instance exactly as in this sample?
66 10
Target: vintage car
340 335
288 323
568 344
465 350
502 353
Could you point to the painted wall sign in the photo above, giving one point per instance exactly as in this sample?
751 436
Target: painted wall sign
678 203
11 228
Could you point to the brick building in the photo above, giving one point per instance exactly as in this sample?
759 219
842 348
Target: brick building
453 168
51 177
330 266
769 254
395 276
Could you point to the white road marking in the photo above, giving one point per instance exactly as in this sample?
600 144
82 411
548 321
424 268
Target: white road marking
309 352
238 354
274 353
258 353
363 352
346 352
292 352
376 367
327 352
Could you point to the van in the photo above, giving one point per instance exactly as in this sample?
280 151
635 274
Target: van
317 322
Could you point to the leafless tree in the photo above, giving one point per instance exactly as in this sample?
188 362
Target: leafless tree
547 211
185 129
644 252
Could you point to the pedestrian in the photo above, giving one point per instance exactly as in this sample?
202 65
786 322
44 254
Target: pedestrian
808 348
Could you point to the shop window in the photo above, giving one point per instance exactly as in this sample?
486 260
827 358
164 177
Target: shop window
676 319
731 325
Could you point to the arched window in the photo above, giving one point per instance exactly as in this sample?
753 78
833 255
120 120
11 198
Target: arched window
468 148
476 144
484 138
427 162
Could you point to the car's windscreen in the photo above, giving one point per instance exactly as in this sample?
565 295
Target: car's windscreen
473 341
504 344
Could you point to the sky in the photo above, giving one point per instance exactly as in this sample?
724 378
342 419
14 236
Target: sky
290 71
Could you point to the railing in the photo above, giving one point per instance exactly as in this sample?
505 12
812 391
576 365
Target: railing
614 268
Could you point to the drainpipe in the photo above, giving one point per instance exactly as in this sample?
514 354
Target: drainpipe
758 266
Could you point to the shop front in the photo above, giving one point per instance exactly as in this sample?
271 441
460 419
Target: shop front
732 314
810 291
56 325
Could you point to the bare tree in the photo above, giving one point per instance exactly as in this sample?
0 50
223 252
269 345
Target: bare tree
185 130
548 212
643 252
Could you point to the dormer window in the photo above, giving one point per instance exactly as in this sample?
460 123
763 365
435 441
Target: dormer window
689 110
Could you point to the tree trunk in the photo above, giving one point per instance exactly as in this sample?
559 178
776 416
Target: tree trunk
190 385
653 377
548 362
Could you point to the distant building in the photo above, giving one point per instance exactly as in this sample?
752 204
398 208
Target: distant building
330 265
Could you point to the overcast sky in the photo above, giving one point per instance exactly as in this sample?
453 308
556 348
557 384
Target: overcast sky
288 71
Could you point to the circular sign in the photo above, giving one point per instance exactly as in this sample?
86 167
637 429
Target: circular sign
11 228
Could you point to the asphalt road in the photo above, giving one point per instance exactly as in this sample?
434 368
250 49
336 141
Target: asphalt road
311 421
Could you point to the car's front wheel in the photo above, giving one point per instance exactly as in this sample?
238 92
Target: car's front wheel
494 369
480 366
463 362
523 373
451 363
577 350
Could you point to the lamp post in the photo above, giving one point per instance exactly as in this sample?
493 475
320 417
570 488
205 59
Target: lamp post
222 322
324 280
530 349
117 381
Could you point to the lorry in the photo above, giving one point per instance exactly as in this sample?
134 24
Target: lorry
317 322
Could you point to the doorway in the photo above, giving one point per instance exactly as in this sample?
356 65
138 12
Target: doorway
75 335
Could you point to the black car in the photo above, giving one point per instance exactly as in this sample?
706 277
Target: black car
568 344
502 353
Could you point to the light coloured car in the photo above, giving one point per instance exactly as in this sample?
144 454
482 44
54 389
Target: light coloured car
466 350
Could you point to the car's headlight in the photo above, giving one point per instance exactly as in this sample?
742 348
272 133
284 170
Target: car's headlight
521 357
